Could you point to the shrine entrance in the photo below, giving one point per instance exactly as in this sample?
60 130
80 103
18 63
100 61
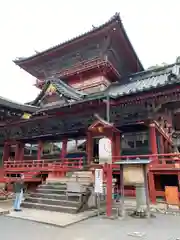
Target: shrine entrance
102 129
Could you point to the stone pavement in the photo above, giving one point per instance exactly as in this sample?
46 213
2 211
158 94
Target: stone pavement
65 219
5 206
52 218
162 227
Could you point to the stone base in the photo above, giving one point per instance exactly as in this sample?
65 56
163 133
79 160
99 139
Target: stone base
141 214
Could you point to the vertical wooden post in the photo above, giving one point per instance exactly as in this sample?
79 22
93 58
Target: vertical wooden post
40 150
89 147
109 184
166 146
114 147
162 144
6 152
152 189
64 148
16 152
118 144
109 191
122 189
5 156
152 138
21 151
154 150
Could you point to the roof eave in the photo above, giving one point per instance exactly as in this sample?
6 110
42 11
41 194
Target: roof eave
113 19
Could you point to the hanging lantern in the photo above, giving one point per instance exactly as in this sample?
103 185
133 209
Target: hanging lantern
100 129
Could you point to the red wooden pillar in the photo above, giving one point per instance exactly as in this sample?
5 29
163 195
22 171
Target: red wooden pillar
166 145
152 189
16 157
114 147
6 152
109 184
89 147
39 150
64 148
152 139
154 150
118 144
162 144
21 151
109 191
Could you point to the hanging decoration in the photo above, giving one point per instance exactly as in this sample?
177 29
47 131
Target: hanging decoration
51 90
26 116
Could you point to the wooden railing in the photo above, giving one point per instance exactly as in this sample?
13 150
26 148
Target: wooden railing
159 161
46 165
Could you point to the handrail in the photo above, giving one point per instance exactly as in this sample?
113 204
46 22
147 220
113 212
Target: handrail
45 164
65 164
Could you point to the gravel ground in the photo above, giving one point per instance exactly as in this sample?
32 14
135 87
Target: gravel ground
162 227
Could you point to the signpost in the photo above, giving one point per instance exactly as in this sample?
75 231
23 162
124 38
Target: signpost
99 181
105 156
98 186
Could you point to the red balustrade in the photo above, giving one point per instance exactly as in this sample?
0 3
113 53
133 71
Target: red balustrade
46 165
158 161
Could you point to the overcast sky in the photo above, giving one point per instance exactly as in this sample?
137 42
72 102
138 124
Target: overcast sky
26 26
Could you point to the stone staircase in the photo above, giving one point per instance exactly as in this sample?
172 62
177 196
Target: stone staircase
62 196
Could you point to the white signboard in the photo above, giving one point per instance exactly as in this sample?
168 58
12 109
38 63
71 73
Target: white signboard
105 150
98 181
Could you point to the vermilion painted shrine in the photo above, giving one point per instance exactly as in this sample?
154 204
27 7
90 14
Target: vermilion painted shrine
92 86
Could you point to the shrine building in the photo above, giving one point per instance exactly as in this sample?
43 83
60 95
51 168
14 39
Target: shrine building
93 86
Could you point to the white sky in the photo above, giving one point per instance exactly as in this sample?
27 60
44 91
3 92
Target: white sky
152 26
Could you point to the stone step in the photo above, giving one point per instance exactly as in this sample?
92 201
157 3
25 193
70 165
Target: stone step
50 190
81 181
80 178
83 174
52 201
55 181
53 186
55 196
48 207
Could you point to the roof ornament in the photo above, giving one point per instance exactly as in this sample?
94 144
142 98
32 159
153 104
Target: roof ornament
36 52
175 70
178 59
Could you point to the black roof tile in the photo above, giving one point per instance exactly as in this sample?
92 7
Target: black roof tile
67 90
144 81
115 18
4 102
62 89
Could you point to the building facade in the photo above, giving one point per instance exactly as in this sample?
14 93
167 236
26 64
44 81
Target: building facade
94 86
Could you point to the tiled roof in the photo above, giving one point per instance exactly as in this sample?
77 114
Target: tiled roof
67 90
145 81
62 89
114 19
17 106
